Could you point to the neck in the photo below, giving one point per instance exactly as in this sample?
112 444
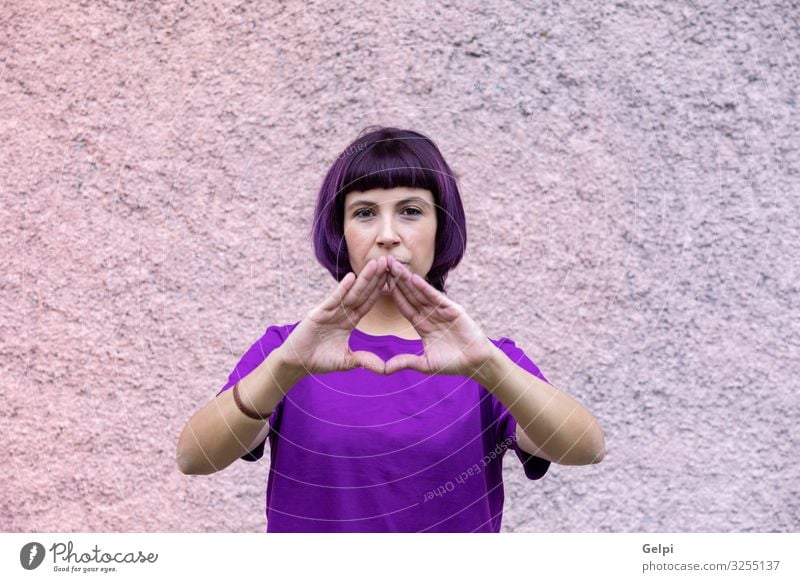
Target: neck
385 319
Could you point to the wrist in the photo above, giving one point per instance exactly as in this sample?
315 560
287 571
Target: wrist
289 368
488 373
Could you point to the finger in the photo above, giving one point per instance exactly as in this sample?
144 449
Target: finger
375 282
403 277
392 277
407 310
334 299
367 360
432 294
356 294
414 296
374 295
407 298
406 362
434 300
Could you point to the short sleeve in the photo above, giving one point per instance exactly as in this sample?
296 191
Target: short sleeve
273 337
535 467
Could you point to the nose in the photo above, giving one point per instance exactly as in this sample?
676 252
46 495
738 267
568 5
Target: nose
388 237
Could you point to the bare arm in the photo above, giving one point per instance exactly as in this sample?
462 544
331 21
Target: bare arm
218 434
550 423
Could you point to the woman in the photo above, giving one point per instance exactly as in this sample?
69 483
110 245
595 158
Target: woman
386 407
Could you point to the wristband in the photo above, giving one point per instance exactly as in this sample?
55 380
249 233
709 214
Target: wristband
246 411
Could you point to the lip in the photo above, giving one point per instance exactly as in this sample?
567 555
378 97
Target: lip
398 260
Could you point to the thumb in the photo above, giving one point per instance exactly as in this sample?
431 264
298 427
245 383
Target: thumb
368 360
406 362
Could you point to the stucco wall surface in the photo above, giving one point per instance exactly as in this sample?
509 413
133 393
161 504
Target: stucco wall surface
630 177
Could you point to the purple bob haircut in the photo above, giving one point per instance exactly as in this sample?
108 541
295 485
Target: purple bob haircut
384 158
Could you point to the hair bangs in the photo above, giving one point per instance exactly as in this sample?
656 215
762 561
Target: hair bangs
387 166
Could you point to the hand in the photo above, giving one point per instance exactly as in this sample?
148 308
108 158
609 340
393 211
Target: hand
319 343
454 343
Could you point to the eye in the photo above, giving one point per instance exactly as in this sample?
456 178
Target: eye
358 213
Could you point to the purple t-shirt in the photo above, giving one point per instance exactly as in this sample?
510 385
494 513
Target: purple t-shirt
356 451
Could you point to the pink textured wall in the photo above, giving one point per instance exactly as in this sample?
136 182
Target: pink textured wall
630 177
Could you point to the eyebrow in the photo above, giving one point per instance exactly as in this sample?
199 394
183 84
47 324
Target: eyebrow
399 203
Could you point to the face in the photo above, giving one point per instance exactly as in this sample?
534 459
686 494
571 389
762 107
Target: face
400 222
